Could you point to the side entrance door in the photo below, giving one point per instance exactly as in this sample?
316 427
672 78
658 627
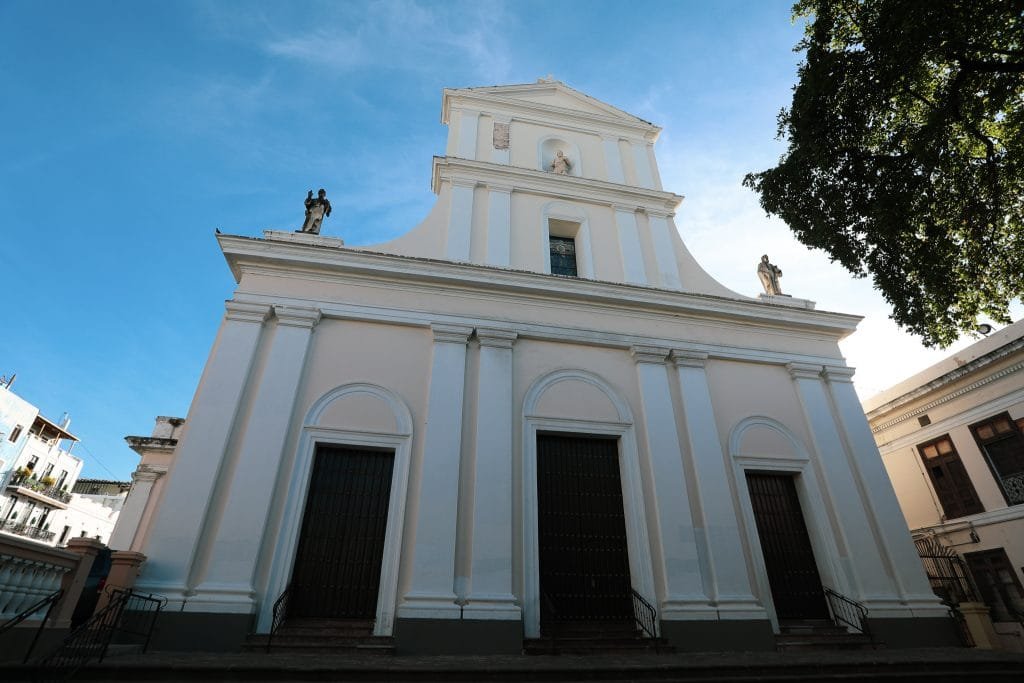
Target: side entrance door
584 557
788 555
341 544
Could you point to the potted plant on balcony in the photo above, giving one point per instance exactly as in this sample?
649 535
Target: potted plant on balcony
48 482
20 475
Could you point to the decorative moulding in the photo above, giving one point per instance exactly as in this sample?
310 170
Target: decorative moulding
784 300
294 316
503 339
246 312
689 359
649 354
450 334
804 370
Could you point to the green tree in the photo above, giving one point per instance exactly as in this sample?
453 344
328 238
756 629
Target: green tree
905 161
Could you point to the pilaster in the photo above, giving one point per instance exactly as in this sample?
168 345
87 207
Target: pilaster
642 162
612 159
882 504
683 595
228 581
629 244
176 533
431 592
728 580
128 520
469 121
499 225
864 567
460 220
664 251
491 595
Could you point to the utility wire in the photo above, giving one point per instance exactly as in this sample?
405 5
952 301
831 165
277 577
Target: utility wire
98 461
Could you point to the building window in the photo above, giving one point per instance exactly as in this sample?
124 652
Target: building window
48 471
999 438
949 478
64 536
998 583
15 434
563 256
32 462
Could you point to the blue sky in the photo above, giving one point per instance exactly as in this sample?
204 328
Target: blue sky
130 130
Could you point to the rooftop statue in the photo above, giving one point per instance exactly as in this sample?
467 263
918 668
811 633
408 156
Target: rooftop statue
317 208
769 274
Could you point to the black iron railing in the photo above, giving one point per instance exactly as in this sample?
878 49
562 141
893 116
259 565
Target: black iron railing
53 492
25 529
847 612
947 572
279 615
128 613
48 602
645 615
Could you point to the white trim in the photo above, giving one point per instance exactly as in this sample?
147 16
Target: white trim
811 503
399 441
637 537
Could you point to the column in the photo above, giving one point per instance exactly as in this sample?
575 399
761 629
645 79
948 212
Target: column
684 595
460 220
432 583
629 243
664 250
612 159
490 594
74 581
642 161
882 502
127 526
124 570
863 561
499 225
228 581
469 120
729 583
176 531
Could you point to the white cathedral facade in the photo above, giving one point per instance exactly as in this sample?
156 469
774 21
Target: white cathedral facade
536 402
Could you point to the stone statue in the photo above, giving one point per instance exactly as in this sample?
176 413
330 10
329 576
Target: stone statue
560 164
317 208
769 274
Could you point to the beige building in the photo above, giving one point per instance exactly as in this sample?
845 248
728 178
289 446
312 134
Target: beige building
951 439
535 408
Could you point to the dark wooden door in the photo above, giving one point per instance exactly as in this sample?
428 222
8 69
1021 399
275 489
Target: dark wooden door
788 555
338 562
584 558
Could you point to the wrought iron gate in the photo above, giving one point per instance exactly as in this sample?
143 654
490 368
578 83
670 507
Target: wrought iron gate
788 555
584 557
338 562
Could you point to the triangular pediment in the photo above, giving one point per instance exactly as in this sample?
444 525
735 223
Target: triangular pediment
558 95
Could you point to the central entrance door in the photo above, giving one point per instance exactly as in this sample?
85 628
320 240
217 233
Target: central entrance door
788 555
341 546
584 558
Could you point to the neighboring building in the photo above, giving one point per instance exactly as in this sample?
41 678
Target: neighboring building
148 480
534 406
37 472
93 510
952 442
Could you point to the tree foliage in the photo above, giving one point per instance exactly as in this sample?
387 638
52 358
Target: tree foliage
906 135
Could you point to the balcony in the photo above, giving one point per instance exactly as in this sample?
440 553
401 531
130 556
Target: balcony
23 529
32 488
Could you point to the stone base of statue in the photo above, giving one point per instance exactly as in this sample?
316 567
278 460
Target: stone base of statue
786 300
303 238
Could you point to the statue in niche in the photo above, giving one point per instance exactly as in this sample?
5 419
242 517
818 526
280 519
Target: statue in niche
317 208
769 274
560 164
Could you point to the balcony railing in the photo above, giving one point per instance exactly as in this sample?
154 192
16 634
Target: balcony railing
33 486
23 529
1013 484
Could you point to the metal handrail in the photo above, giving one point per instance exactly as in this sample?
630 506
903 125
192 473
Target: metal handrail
49 601
644 614
279 615
92 639
848 612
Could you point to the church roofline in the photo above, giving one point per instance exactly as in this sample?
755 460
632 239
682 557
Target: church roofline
252 254
497 97
528 179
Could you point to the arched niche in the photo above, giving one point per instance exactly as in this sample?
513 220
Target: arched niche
359 415
549 146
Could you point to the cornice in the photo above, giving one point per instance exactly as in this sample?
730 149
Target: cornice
246 312
349 266
450 334
945 380
655 355
689 359
546 113
804 370
294 316
571 188
497 338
